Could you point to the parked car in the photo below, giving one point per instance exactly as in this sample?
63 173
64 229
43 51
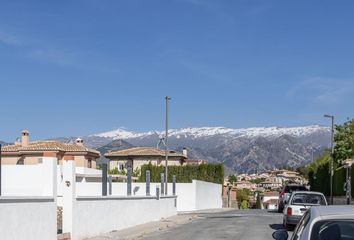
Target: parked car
323 223
298 204
286 192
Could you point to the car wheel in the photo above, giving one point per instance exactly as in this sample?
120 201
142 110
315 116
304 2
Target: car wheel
288 227
280 209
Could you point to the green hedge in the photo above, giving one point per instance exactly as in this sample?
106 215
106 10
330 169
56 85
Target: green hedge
185 174
320 180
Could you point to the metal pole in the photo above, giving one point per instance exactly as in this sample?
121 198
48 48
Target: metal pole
147 182
174 185
350 185
332 151
104 179
162 182
166 148
129 181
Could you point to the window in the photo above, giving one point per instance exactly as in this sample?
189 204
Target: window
120 166
308 199
301 226
333 229
89 163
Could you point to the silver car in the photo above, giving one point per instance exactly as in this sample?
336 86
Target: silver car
297 205
323 223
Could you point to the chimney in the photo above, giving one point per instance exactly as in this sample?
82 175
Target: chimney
185 152
79 142
25 138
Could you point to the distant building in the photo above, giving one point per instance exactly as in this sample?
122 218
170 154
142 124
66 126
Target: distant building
195 161
245 184
192 161
269 200
24 152
138 156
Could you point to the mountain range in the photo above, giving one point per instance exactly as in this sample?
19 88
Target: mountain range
243 150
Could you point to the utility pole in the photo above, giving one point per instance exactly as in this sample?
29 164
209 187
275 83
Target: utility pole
166 148
332 153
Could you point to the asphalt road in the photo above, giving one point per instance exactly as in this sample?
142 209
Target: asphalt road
235 224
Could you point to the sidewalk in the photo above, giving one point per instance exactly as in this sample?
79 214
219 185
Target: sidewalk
142 230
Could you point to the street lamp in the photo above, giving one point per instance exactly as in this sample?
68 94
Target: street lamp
166 148
332 151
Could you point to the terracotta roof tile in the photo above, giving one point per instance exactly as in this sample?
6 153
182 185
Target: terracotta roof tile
142 151
48 146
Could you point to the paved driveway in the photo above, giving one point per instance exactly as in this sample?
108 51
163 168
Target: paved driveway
236 224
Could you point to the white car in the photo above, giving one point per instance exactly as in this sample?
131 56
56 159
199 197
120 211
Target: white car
323 223
298 204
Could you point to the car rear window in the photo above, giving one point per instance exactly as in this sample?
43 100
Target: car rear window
290 189
308 199
333 229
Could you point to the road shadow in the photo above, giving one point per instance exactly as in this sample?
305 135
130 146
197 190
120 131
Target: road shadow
276 226
274 211
223 216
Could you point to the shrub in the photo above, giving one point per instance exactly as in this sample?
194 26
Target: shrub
185 174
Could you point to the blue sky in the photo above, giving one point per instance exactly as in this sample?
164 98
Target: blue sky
82 67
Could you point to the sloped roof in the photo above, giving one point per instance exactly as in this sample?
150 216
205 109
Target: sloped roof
143 151
42 146
271 201
270 193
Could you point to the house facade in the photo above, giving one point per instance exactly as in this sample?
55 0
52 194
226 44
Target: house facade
138 156
25 152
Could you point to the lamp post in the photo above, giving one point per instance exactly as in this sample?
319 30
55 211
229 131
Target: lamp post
166 148
332 151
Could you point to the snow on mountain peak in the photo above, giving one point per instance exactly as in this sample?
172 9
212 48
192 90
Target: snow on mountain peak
212 131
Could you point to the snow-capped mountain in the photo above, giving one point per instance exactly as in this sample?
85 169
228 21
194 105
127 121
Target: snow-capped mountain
213 131
241 150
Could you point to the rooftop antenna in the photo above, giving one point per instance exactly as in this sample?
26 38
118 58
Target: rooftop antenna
161 141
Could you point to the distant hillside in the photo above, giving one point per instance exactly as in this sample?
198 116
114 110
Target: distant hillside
118 144
241 150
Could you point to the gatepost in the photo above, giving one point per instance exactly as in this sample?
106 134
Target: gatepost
69 194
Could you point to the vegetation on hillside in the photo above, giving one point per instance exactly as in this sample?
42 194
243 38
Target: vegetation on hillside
231 179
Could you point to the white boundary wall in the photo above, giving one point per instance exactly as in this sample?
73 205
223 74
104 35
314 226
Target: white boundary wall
95 216
197 195
29 217
208 195
90 216
29 180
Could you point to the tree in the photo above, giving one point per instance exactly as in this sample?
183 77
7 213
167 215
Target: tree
344 139
258 202
242 195
232 179
245 204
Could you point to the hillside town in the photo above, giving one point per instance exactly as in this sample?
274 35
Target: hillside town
267 185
